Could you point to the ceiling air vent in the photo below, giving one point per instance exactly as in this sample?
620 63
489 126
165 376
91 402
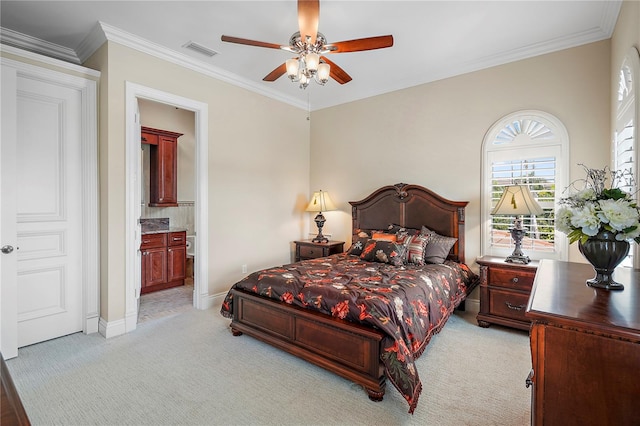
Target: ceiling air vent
200 49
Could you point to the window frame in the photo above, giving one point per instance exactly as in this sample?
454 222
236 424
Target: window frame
523 148
623 114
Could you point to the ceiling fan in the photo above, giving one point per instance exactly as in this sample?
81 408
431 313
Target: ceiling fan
310 45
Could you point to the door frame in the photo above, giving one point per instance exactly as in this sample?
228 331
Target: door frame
201 299
86 85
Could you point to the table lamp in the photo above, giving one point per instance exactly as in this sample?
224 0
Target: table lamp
320 202
516 201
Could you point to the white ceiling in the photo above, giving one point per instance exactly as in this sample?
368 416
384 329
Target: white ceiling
432 39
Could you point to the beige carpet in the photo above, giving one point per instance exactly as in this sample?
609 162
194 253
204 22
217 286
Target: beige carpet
189 369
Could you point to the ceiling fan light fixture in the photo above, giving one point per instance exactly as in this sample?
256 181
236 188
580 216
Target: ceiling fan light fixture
312 61
323 72
309 63
304 81
292 68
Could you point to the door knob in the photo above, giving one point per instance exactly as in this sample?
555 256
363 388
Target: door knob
6 249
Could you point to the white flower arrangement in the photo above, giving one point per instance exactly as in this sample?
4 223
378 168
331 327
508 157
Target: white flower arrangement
595 208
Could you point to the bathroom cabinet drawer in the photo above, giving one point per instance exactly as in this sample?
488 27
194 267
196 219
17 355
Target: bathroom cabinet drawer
177 239
153 241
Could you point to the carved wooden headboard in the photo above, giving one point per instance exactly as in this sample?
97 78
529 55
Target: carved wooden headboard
412 206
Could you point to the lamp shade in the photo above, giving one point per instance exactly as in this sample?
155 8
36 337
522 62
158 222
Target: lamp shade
324 70
292 67
517 200
312 61
320 202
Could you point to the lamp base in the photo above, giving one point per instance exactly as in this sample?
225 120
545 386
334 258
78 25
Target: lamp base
517 258
319 219
517 233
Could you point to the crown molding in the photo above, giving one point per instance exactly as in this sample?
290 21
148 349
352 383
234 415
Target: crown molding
36 45
132 41
611 11
78 69
91 43
102 32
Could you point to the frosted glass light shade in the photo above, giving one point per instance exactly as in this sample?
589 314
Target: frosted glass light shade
312 60
292 67
323 72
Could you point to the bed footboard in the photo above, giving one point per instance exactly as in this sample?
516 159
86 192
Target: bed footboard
347 349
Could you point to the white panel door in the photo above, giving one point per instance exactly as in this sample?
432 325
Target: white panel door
47 209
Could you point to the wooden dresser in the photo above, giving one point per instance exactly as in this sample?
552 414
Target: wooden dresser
585 347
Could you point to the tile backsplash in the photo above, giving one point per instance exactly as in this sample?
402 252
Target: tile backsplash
179 217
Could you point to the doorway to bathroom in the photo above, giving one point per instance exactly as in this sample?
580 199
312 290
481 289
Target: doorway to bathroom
167 209
198 117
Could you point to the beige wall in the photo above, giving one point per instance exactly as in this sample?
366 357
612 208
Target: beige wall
625 36
432 134
258 170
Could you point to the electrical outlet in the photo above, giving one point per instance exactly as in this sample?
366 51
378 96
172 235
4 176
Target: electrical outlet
244 269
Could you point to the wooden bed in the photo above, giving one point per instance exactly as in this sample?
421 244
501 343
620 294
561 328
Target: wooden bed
350 350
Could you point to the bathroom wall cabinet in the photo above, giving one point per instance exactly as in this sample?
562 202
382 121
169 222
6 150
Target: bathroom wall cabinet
164 260
163 168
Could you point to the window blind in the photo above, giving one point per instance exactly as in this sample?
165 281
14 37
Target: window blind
624 161
539 174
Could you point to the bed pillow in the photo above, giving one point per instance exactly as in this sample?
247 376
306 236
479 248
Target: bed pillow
414 246
397 229
384 236
384 252
438 247
357 244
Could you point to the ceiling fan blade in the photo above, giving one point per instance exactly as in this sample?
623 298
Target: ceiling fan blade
308 15
337 73
276 73
248 42
369 43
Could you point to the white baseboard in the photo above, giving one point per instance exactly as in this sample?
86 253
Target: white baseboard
210 300
91 325
111 329
472 305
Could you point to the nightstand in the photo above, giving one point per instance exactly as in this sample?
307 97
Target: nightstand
504 292
307 249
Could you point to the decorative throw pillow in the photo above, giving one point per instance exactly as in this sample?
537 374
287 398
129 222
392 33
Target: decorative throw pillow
393 228
438 246
362 232
397 229
357 244
414 247
384 236
383 251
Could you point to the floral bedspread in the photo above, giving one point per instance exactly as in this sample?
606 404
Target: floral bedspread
409 303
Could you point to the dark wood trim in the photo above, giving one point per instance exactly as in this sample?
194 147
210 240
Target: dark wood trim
347 349
13 412
412 206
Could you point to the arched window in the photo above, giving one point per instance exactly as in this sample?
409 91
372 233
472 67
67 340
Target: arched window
625 139
526 148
